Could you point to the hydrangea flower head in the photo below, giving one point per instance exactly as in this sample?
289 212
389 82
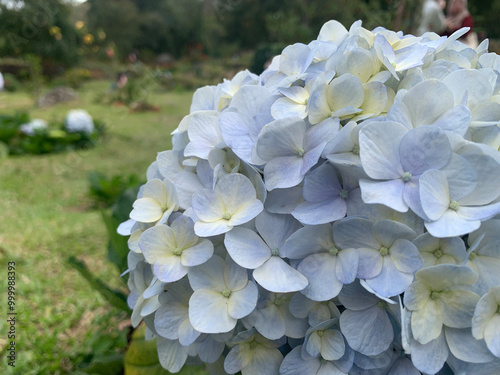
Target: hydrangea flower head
79 120
337 214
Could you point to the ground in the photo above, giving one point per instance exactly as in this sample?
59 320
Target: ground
46 217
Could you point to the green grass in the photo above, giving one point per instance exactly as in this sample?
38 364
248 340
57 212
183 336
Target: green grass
45 218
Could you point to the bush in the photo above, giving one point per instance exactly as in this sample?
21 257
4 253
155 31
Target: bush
43 141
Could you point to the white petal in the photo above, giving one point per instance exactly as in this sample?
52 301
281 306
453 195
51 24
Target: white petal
246 248
277 276
208 312
172 354
379 149
243 302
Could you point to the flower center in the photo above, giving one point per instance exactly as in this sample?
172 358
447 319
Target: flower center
472 255
344 194
435 295
333 250
226 293
300 152
275 252
454 205
406 176
438 253
320 333
384 251
382 305
253 344
177 252
226 216
278 301
355 150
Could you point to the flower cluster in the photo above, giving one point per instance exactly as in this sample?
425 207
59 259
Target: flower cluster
79 120
338 214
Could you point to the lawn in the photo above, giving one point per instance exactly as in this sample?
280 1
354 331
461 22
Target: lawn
47 217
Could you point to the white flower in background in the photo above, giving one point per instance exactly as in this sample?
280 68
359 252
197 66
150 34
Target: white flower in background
33 127
359 174
79 120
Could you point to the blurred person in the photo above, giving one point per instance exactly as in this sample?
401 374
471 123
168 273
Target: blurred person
433 18
458 16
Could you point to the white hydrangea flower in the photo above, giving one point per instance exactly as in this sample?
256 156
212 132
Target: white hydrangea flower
358 172
34 126
79 120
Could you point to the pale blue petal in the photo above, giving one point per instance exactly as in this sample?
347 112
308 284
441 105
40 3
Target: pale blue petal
208 312
379 149
354 232
214 228
367 331
235 277
246 248
355 297
451 225
406 256
333 345
294 364
172 354
389 193
388 231
168 319
321 184
370 263
277 276
236 133
209 350
465 347
246 212
264 361
308 240
208 205
315 213
319 269
243 302
424 148
187 334
283 172
347 265
275 229
209 275
283 201
237 359
197 254
429 358
270 323
281 138
390 282
434 194
169 269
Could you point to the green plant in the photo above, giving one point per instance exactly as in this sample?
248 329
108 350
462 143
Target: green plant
105 191
12 84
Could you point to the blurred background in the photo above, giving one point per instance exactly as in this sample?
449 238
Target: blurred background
133 65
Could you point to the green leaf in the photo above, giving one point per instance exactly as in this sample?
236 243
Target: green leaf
114 297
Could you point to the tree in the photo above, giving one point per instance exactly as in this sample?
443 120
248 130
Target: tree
40 28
